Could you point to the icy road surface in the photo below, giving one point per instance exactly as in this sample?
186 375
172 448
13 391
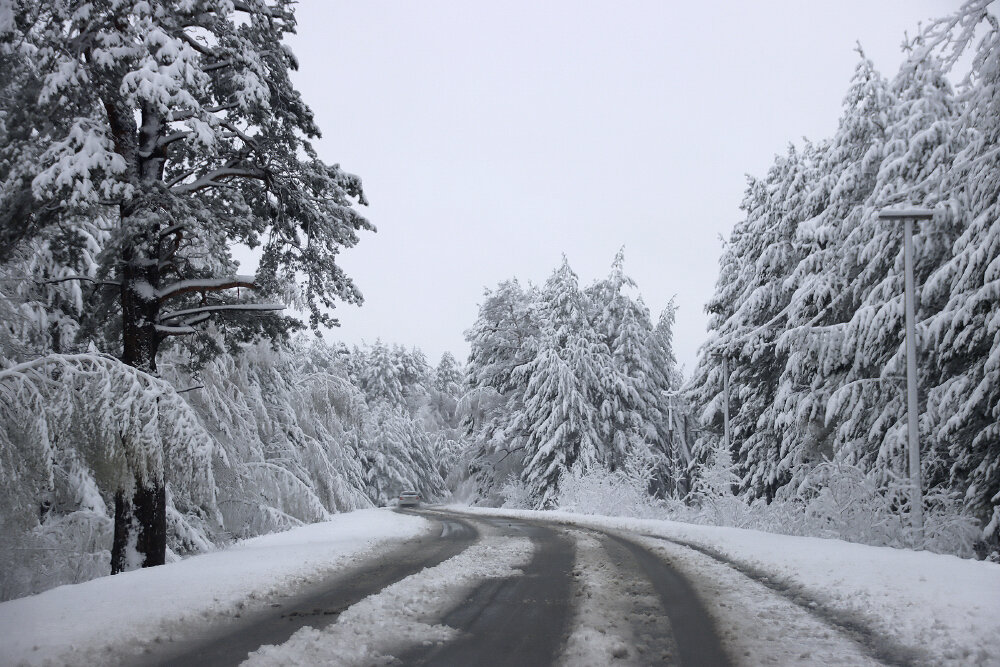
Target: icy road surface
456 586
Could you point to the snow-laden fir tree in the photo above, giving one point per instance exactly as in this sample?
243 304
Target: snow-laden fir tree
750 307
565 381
559 428
628 405
920 143
823 300
816 264
503 337
965 334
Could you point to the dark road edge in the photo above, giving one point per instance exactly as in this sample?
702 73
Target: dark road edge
856 628
317 607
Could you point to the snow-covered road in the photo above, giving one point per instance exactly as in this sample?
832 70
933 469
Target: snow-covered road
465 586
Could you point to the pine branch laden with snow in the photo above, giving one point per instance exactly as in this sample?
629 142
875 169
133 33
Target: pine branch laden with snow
293 439
78 429
142 430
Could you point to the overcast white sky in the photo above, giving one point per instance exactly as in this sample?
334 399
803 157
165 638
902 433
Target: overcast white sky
494 136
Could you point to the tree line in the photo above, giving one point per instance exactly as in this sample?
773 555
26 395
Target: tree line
808 307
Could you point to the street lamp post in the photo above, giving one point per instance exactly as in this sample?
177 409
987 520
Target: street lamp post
725 396
908 216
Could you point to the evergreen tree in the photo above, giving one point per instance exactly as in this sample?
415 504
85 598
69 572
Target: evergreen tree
964 403
627 408
558 429
920 144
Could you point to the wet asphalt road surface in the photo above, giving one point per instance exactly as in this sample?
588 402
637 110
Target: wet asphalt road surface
523 620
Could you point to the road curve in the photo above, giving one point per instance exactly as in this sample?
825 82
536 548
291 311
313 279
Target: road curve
526 620
579 587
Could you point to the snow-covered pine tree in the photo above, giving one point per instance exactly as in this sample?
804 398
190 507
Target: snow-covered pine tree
448 374
670 448
750 309
446 392
504 337
823 301
964 404
380 374
179 120
628 407
919 147
558 428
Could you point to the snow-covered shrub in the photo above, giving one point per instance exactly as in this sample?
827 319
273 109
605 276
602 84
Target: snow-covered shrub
63 549
623 492
834 500
712 498
516 494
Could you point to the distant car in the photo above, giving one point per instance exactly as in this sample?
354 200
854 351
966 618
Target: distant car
409 499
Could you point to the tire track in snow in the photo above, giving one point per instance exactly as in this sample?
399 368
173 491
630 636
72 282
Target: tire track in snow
405 614
515 620
318 607
618 619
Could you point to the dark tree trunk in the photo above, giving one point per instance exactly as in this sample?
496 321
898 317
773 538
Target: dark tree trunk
145 513
123 529
150 507
141 518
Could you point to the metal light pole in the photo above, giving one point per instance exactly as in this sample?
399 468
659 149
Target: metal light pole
913 443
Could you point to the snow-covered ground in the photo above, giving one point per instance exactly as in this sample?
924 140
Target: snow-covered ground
108 619
947 610
946 607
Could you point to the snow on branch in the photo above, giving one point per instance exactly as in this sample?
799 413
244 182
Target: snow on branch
64 279
204 285
220 308
212 179
141 426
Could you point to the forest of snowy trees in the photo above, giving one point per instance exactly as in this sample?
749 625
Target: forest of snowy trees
808 308
154 402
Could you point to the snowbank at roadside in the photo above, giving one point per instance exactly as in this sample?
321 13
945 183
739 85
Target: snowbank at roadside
945 606
108 619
